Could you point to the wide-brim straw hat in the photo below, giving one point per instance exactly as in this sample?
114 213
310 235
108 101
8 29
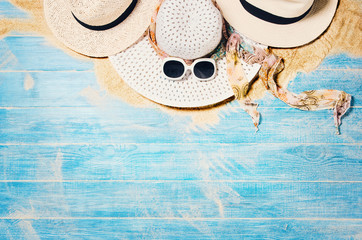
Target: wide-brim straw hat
279 23
141 68
181 35
98 28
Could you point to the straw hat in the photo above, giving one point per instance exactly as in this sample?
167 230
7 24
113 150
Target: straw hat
188 29
98 28
141 68
184 29
279 23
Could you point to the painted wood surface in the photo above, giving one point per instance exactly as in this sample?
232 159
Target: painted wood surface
199 199
282 162
72 169
204 229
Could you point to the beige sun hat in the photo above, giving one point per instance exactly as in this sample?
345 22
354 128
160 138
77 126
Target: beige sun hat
185 29
98 28
279 23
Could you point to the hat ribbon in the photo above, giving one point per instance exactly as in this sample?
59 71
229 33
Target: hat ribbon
269 17
120 19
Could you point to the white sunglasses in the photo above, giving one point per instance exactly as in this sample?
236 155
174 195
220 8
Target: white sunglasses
204 69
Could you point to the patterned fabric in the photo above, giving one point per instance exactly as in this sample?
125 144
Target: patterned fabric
236 50
308 100
272 65
237 78
152 32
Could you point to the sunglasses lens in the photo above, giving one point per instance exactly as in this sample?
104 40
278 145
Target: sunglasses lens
204 70
173 69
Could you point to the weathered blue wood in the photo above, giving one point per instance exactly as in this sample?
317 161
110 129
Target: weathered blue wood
48 89
66 163
7 10
204 162
177 199
112 125
349 81
19 53
182 229
341 61
59 89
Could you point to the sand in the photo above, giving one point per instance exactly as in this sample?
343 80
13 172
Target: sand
343 35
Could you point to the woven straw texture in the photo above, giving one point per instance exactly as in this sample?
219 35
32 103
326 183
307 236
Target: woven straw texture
280 35
188 29
97 43
96 12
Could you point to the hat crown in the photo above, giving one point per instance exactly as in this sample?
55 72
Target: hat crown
98 12
283 8
188 29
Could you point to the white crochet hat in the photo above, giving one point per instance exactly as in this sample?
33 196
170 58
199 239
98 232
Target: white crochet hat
140 66
188 29
98 28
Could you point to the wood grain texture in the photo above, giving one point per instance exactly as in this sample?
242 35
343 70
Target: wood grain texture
32 53
157 229
49 89
343 61
111 125
63 89
189 162
73 167
180 199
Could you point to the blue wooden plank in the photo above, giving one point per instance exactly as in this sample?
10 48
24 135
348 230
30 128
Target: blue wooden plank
205 162
348 81
178 177
7 10
121 125
48 89
34 53
341 61
59 89
182 229
177 199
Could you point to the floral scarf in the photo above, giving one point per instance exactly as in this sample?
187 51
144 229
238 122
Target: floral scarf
152 32
272 65
236 50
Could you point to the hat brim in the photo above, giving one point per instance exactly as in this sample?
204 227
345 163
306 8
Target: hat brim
97 43
141 68
277 35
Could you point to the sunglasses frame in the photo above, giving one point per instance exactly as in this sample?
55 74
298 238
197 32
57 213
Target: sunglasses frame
189 67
